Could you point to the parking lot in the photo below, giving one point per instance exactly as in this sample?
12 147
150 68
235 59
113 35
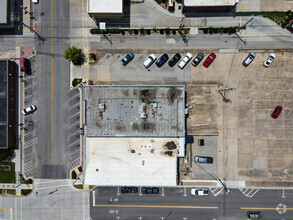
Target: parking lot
252 146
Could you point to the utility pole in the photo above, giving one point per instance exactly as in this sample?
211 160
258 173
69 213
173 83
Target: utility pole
225 187
223 94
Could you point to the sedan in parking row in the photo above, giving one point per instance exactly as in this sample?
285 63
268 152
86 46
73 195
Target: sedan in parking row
185 60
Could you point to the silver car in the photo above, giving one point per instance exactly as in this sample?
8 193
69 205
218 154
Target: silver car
248 59
29 110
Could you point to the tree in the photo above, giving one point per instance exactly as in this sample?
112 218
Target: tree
74 55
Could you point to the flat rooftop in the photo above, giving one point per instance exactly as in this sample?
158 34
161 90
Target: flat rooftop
3 104
199 3
134 111
131 161
102 6
3 11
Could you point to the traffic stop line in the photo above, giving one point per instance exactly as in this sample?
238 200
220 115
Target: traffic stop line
159 206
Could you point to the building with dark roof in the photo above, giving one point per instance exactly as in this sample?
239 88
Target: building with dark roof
8 104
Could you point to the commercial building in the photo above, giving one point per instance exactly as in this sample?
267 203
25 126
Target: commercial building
133 134
8 104
208 5
105 9
3 11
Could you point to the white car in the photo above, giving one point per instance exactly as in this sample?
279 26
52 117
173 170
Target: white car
149 61
199 192
185 60
269 60
29 110
35 1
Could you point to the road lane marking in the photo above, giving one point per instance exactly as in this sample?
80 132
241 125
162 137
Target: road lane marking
253 208
52 66
184 191
4 208
159 206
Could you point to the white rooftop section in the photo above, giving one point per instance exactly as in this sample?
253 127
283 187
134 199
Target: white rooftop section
109 161
198 3
105 6
3 11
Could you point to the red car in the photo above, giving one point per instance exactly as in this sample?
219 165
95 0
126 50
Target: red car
277 112
209 60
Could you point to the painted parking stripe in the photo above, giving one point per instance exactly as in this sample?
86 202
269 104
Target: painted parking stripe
159 206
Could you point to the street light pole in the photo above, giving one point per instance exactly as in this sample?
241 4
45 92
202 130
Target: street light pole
42 39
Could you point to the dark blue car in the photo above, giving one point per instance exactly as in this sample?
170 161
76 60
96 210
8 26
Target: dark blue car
127 59
162 60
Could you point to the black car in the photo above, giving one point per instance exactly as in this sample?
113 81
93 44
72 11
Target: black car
150 190
127 59
160 62
129 190
197 59
254 214
174 60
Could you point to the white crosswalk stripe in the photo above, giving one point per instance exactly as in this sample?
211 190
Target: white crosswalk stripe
30 142
29 166
74 164
216 191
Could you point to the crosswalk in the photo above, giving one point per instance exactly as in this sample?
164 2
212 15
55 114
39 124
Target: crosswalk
74 164
30 143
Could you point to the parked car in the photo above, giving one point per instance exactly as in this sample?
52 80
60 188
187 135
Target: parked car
150 190
174 60
209 60
269 60
248 59
127 59
162 60
199 192
201 159
254 214
29 110
197 59
277 111
185 60
129 190
149 61
35 1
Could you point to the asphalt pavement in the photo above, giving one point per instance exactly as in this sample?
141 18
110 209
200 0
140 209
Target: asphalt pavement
178 203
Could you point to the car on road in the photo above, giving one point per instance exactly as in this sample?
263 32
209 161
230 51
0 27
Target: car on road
202 159
254 215
197 59
199 192
129 190
209 60
35 1
162 60
150 190
248 59
29 110
277 111
269 60
127 59
149 61
185 60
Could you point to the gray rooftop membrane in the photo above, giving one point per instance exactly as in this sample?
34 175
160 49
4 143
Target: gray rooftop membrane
123 104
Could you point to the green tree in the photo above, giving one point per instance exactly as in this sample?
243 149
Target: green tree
74 55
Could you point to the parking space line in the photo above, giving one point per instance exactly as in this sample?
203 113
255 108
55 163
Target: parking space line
74 124
94 202
73 134
72 106
118 193
73 152
74 115
258 208
160 206
162 192
74 96
184 192
27 87
140 194
73 143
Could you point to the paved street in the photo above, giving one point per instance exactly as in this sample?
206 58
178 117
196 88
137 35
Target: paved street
178 203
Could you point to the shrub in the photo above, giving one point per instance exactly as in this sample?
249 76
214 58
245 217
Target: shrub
73 175
225 30
210 30
221 30
75 82
186 31
148 32
167 31
114 31
155 29
173 31
215 30
161 31
25 192
123 32
142 31
74 55
159 1
95 31
130 31
136 32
